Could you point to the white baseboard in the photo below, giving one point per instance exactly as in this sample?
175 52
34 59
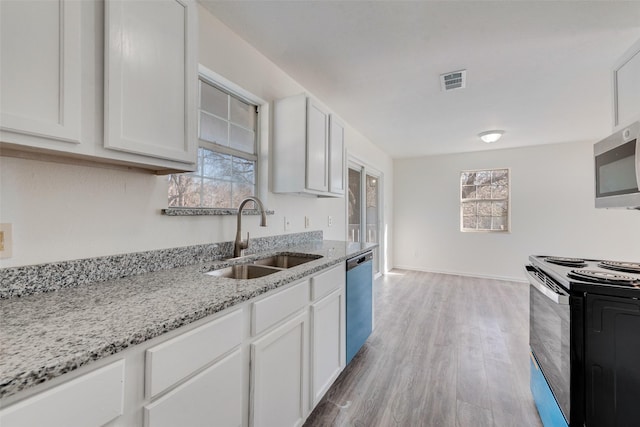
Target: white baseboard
459 273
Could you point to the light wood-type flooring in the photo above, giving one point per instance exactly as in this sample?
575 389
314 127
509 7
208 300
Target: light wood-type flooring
446 351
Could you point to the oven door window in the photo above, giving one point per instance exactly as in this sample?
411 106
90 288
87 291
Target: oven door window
549 337
616 171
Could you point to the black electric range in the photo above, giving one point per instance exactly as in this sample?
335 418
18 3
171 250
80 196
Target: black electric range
585 340
616 278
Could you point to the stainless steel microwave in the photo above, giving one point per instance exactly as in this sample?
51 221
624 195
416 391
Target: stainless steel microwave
617 163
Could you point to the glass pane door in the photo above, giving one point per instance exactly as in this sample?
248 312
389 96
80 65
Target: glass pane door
372 216
364 209
355 202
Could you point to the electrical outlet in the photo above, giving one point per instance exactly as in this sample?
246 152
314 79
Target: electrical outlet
329 220
307 222
287 224
6 242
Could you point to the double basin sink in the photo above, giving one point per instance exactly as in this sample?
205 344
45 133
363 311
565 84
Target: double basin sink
263 266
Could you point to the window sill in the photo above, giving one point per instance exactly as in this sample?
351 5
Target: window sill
209 211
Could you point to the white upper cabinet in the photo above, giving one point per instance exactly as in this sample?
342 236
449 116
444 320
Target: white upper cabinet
150 78
336 156
40 71
302 160
317 147
626 88
123 93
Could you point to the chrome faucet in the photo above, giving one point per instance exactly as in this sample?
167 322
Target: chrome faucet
240 245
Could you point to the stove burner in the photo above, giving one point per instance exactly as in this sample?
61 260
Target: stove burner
627 267
602 277
567 262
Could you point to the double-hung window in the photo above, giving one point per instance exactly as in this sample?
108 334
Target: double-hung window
227 167
484 200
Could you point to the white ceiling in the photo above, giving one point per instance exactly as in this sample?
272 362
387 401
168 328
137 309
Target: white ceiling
539 70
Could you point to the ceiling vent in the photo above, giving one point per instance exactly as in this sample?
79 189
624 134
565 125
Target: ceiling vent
453 80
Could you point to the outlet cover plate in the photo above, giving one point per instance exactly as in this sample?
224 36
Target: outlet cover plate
6 240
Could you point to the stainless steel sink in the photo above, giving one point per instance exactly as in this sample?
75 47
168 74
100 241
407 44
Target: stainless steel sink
243 271
287 260
252 269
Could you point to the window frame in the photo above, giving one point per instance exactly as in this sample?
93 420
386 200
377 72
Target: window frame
507 199
261 148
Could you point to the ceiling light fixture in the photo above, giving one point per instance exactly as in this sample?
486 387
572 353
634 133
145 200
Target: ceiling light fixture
491 136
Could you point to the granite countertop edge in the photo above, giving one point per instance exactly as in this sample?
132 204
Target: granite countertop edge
47 335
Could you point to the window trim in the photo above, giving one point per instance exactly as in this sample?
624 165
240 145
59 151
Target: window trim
261 156
356 163
262 126
507 199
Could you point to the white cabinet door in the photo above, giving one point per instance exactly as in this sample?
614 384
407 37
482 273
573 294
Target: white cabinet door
211 398
626 87
40 71
151 77
91 400
300 151
279 376
317 147
336 156
327 344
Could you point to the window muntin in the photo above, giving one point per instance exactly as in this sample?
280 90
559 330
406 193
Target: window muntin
484 200
227 158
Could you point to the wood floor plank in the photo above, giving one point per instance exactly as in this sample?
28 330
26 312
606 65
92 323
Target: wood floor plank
471 415
446 351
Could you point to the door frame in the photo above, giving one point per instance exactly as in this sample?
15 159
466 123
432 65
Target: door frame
356 163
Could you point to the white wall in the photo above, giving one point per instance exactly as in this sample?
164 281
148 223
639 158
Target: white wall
61 212
552 213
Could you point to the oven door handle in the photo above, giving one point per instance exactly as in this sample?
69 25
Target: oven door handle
561 298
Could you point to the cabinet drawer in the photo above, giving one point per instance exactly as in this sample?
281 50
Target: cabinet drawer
213 397
90 400
274 308
324 283
179 357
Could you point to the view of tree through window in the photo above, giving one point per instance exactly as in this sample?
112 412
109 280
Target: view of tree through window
227 157
484 200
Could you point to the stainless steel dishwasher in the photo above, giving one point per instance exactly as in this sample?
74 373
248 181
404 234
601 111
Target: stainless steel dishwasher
359 302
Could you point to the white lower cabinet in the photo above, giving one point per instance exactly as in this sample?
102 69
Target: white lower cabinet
265 362
90 400
211 398
279 375
176 359
279 305
327 346
214 396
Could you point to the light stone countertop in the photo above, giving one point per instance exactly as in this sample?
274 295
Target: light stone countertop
45 335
